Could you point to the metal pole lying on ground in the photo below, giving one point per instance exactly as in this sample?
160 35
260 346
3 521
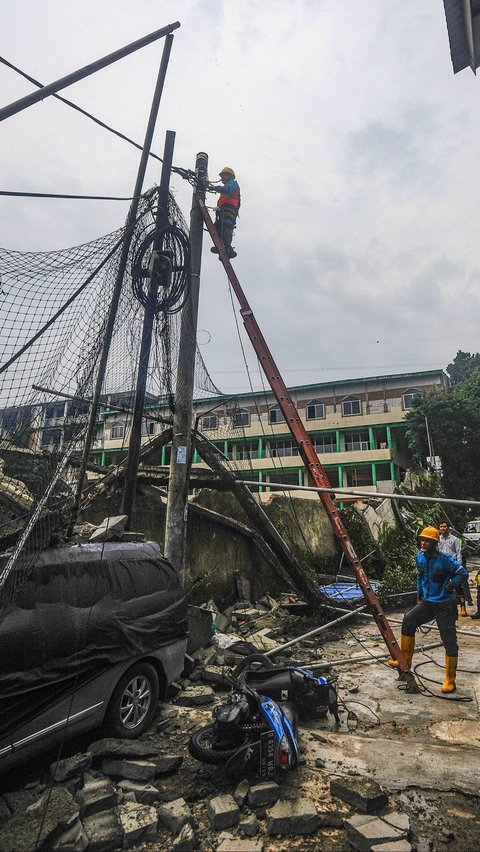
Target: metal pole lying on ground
132 215
315 632
45 91
177 507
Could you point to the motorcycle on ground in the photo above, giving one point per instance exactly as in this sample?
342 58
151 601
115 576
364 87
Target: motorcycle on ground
256 729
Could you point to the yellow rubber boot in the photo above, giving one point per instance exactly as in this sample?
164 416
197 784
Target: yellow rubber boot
407 646
449 684
463 609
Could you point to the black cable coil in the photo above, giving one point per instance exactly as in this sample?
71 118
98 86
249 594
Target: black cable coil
175 281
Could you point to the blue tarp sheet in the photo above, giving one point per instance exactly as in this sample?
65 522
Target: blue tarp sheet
345 594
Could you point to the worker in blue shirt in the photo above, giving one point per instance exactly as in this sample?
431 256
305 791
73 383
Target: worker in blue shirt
438 576
228 206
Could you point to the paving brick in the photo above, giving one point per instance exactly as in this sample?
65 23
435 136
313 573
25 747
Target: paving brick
97 795
139 823
362 793
364 832
395 846
186 840
104 831
70 767
196 696
266 793
223 812
249 826
174 815
241 792
146 794
136 770
293 817
111 747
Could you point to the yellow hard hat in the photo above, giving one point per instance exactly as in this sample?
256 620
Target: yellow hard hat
430 532
227 171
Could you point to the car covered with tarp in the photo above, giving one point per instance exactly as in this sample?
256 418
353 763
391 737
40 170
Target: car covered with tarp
95 635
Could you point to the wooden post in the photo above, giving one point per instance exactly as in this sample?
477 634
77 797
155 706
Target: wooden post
177 507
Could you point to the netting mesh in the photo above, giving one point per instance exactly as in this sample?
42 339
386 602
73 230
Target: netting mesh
63 298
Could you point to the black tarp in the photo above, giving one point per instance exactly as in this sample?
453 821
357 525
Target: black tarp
83 609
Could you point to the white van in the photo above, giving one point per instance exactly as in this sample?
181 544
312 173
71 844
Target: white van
472 531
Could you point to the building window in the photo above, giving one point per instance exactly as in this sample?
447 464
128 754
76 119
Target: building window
209 421
275 415
315 409
240 418
409 395
351 405
275 449
359 476
51 437
148 427
242 452
356 441
325 444
117 431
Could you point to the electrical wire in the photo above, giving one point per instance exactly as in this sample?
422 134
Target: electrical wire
63 195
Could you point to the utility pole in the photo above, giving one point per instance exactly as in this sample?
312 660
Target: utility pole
160 268
117 290
177 506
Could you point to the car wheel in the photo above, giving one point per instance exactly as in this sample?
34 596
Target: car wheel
133 703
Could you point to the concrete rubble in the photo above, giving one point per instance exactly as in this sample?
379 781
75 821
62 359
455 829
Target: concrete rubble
401 776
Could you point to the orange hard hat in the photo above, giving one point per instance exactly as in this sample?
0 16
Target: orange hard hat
430 532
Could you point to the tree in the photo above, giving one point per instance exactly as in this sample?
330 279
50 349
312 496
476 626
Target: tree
454 423
462 365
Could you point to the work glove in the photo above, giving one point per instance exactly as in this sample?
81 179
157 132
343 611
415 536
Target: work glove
449 587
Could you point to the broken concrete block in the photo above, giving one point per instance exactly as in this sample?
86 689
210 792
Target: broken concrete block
249 825
167 765
241 792
362 793
73 839
174 815
104 831
110 528
146 794
111 747
398 820
136 770
71 766
196 696
139 823
236 845
223 812
97 795
186 840
293 817
395 846
16 799
265 793
42 821
364 832
262 642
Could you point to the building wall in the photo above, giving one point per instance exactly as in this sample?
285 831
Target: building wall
360 438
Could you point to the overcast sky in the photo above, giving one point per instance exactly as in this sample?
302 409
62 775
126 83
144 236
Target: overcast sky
355 146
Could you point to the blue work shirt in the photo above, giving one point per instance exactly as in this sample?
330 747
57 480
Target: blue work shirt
434 572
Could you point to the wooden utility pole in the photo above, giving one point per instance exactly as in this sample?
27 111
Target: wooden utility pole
159 270
177 508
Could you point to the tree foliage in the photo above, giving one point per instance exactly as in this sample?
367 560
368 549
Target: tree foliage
462 365
454 423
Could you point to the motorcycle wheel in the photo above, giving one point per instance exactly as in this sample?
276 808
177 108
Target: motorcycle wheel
199 746
258 662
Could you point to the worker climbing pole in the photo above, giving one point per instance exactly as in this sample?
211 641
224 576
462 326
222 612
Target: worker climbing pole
307 451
